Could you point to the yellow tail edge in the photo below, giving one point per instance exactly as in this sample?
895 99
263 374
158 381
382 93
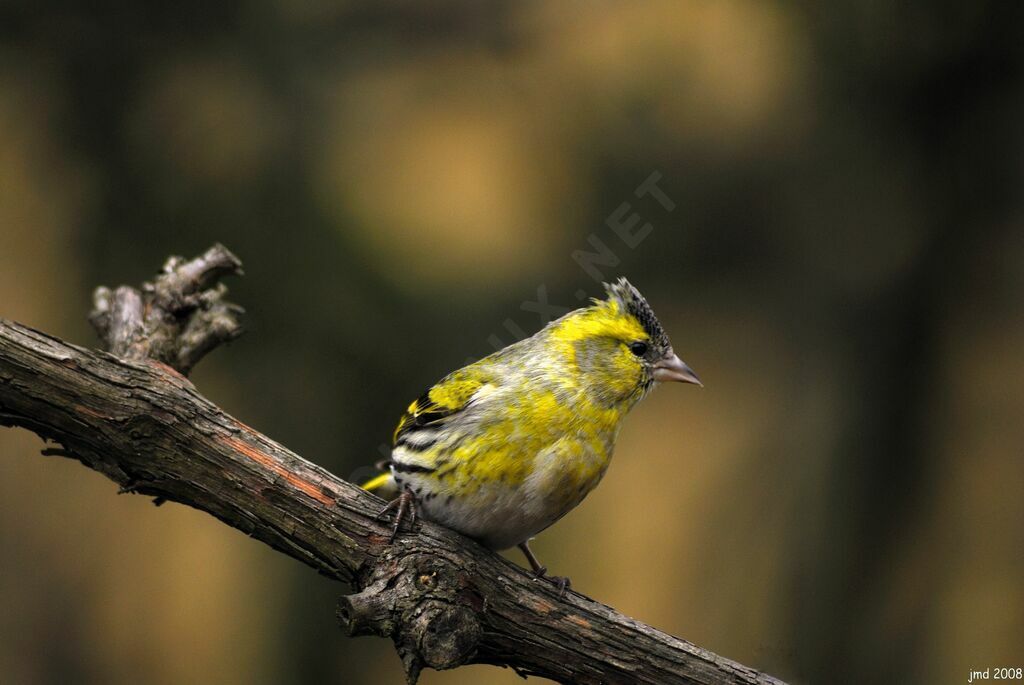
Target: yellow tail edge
377 482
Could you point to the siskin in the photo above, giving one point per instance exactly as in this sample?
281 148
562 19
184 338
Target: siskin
501 449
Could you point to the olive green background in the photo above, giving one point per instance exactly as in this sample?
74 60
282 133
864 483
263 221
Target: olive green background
843 266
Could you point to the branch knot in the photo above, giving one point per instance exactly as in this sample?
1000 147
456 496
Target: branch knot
422 602
178 318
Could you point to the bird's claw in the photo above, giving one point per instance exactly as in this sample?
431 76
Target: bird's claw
405 510
561 582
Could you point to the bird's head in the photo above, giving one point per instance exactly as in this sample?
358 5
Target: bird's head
619 346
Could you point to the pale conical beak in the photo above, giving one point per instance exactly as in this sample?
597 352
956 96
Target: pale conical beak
672 368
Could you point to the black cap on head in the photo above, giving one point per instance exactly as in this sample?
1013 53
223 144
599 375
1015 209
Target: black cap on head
633 302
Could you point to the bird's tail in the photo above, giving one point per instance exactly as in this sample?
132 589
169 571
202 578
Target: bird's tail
377 483
383 486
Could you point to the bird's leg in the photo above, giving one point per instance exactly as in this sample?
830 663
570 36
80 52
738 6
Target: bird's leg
541 571
538 570
405 504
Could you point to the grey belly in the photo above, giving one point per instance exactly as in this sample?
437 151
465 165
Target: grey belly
498 518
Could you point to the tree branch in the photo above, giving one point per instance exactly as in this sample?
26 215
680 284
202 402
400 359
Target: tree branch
443 599
177 318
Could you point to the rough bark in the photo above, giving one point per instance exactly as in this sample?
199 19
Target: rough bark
443 599
177 318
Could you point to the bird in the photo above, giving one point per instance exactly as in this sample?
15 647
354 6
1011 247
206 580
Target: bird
504 447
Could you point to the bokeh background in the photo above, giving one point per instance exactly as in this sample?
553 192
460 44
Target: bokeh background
844 266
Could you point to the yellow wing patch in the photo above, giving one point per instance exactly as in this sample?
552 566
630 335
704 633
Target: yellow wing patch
448 396
453 393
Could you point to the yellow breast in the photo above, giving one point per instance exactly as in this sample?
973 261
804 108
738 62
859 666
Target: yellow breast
557 448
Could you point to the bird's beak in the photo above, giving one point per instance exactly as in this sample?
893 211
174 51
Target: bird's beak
672 368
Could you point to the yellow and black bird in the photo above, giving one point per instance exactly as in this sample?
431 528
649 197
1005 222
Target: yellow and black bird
502 448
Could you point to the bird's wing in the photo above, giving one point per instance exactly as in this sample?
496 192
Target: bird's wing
423 421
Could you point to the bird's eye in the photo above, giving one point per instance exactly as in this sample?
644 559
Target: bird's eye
638 348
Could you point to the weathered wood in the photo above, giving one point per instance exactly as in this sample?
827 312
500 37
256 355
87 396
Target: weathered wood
177 318
443 599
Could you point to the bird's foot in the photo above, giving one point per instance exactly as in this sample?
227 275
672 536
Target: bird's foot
561 582
404 507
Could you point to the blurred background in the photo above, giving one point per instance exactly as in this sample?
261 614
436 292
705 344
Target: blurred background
837 249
